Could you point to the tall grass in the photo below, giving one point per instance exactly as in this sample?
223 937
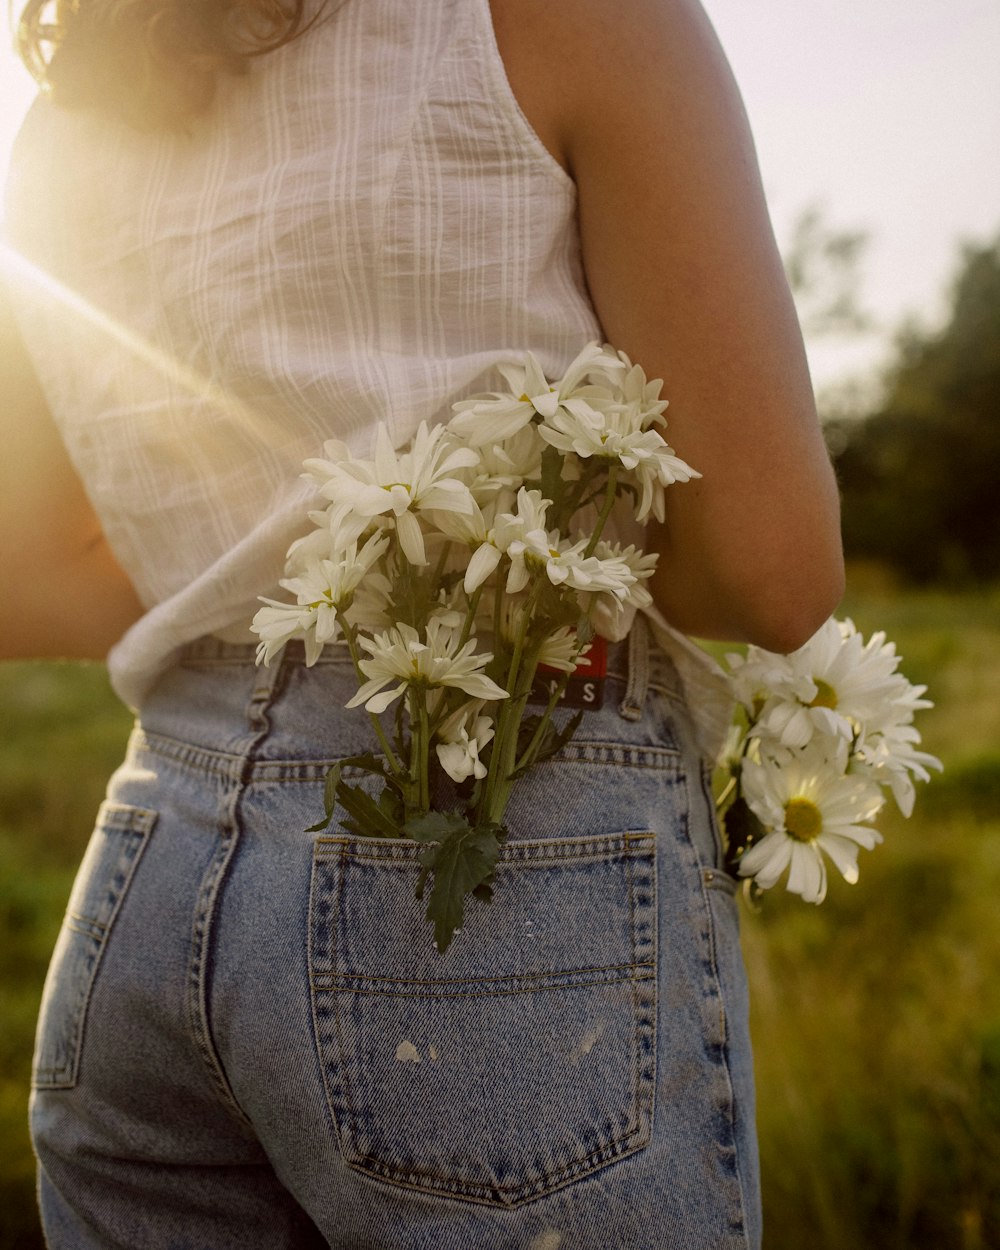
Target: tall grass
876 1017
63 733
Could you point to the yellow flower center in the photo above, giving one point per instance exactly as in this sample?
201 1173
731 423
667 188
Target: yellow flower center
826 696
803 820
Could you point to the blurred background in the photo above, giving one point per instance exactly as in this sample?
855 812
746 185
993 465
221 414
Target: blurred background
877 1015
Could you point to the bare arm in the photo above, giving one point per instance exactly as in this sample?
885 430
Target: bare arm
63 592
639 104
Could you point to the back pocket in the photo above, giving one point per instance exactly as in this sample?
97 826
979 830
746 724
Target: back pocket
522 1059
104 877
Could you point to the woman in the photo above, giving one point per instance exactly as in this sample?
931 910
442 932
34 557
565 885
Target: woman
241 1042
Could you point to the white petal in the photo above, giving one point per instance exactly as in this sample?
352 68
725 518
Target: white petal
455 760
478 686
807 875
844 854
411 538
767 859
367 690
482 564
379 702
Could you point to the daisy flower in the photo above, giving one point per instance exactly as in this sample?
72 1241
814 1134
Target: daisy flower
462 736
641 564
504 467
500 415
496 540
834 685
400 485
614 425
401 655
890 757
564 564
323 589
810 809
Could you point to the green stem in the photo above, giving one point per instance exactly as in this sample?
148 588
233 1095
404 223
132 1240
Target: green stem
504 755
730 786
350 635
442 559
421 739
610 495
470 616
538 736
499 589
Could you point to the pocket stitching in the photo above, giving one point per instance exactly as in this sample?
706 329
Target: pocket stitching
632 845
118 819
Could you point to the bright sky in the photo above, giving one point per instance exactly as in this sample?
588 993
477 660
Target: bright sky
884 112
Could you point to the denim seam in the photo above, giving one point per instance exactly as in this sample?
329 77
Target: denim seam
201 933
345 1098
645 997
197 759
532 976
206 761
312 928
474 1191
136 824
523 852
739 1226
619 755
635 1040
267 686
492 993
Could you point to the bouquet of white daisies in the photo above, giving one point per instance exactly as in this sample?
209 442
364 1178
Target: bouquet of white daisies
820 736
459 570
466 573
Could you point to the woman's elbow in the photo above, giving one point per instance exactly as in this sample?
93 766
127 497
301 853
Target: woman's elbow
797 602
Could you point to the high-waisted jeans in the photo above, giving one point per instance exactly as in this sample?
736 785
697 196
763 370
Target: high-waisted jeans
248 1039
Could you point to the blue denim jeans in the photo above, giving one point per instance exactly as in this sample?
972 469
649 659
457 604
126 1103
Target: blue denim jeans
248 1039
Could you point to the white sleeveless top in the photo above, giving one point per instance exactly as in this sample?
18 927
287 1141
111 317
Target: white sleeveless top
360 227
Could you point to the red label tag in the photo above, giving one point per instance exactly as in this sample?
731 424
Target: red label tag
585 686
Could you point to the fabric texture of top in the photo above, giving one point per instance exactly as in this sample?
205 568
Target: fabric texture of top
357 232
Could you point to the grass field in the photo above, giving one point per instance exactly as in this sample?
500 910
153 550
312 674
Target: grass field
876 1016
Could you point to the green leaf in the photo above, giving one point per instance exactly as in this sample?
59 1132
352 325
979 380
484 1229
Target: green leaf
585 629
435 826
364 816
552 743
462 864
484 891
391 804
329 799
369 762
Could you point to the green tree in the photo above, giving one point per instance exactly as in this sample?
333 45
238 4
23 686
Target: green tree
920 477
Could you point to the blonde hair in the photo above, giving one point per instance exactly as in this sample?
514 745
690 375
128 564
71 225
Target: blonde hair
153 62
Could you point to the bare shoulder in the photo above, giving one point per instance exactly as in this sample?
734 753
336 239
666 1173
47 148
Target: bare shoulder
590 69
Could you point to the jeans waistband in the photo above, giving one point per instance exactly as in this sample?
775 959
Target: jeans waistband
635 659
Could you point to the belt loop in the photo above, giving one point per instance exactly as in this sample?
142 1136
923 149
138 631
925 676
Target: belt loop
630 707
267 684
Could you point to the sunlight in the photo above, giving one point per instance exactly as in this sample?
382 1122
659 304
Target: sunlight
16 268
17 90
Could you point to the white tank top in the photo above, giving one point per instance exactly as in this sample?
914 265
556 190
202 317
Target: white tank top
357 231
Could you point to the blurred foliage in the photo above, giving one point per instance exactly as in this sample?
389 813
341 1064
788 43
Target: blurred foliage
63 733
876 1017
822 265
919 476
